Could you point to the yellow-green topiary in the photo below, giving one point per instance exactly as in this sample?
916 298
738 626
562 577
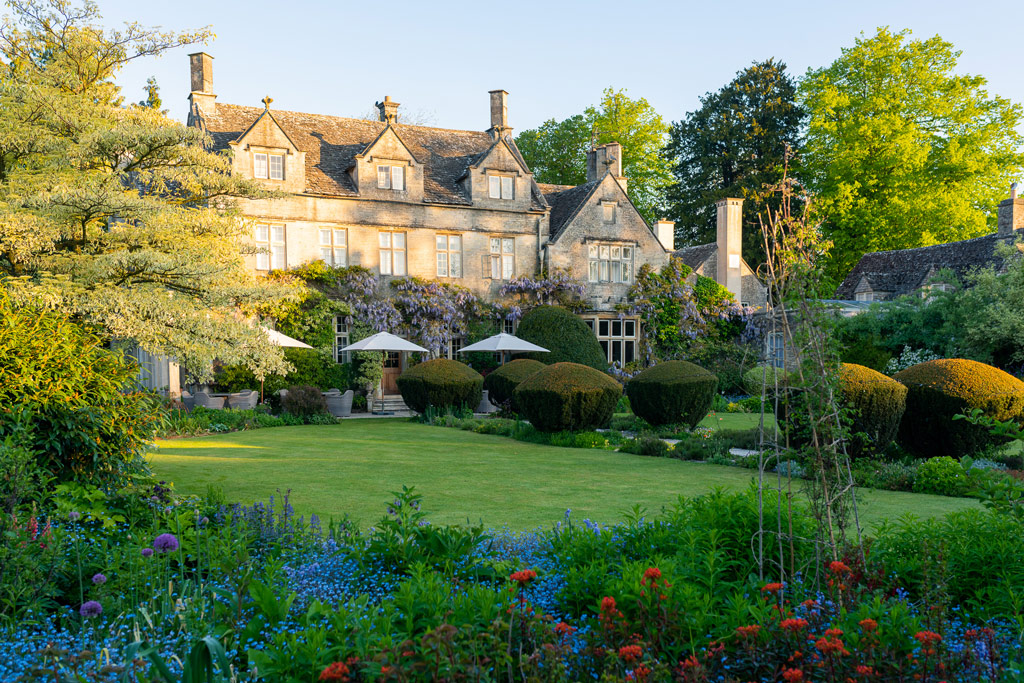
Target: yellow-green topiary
568 396
877 402
937 390
441 383
502 382
674 392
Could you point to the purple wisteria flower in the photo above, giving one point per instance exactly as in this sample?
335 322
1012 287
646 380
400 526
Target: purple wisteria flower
91 609
165 543
99 579
147 552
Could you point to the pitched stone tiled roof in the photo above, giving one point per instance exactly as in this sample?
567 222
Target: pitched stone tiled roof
332 142
902 271
697 255
565 201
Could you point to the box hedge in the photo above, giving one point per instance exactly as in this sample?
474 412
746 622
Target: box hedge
564 334
674 392
568 396
766 375
441 383
877 403
502 382
937 390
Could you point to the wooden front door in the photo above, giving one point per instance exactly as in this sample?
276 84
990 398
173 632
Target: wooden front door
392 369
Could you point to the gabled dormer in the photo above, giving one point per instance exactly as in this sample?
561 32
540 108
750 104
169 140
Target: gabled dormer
499 178
387 168
265 152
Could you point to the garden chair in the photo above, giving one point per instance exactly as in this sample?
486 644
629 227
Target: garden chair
209 402
339 404
243 400
188 400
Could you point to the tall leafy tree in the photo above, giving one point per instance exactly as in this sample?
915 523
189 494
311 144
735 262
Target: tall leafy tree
902 151
734 145
557 150
116 215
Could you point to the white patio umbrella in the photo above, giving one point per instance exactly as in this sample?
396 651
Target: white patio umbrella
281 340
501 343
384 341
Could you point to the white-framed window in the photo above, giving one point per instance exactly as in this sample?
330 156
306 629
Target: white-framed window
449 256
502 259
451 351
501 186
271 238
509 326
862 296
610 262
390 177
342 335
392 252
268 166
334 247
776 349
617 337
608 211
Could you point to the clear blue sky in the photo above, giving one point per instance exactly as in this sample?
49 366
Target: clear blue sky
554 57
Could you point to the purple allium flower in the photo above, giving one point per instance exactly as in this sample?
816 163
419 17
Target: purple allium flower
204 521
74 515
99 579
165 543
91 609
147 552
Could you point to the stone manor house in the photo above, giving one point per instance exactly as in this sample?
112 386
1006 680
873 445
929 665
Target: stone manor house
456 205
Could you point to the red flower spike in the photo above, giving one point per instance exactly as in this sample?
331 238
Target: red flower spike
792 675
335 672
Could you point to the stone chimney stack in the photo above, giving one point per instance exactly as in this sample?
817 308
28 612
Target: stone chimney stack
499 113
605 158
387 110
730 239
1011 213
201 72
665 231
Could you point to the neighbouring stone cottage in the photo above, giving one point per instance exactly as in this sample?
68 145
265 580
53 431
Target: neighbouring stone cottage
885 275
457 205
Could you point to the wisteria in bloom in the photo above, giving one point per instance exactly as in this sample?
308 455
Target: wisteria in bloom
557 287
434 312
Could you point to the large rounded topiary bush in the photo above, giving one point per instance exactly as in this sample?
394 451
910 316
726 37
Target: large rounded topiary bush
441 383
568 396
564 334
877 402
503 381
939 389
672 392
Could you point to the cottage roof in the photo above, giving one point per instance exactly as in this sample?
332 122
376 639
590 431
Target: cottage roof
902 271
697 255
331 144
565 202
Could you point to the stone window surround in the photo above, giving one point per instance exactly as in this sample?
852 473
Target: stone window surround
393 165
619 337
609 210
389 253
500 264
267 152
594 274
503 188
342 335
333 252
273 238
451 266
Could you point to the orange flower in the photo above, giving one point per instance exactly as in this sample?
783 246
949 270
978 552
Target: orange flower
792 675
639 674
335 672
563 629
927 637
865 670
869 625
748 631
524 576
630 653
772 588
608 604
839 568
793 625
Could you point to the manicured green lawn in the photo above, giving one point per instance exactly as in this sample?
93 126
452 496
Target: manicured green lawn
351 468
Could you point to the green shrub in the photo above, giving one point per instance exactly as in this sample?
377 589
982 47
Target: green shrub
304 401
589 440
647 445
940 389
942 476
70 400
747 439
766 375
441 383
568 396
877 402
501 383
672 392
315 367
566 337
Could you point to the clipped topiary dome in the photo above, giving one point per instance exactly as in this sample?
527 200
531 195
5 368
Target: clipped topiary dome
564 334
568 396
878 403
672 392
502 382
939 389
441 383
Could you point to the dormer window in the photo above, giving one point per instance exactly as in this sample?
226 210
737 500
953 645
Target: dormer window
390 178
500 186
268 166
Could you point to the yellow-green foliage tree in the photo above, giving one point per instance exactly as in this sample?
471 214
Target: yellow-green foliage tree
114 214
902 151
